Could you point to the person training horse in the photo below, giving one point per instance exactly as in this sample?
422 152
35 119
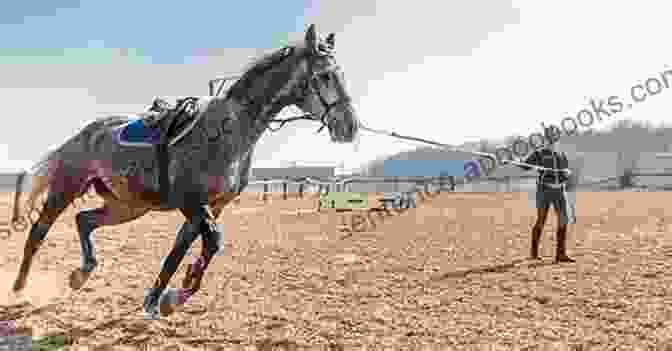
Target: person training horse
551 189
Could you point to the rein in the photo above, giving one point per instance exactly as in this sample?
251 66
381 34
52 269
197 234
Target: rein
305 116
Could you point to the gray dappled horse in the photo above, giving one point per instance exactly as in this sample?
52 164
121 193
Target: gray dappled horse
209 166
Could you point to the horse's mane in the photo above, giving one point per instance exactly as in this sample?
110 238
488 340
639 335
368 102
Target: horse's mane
258 66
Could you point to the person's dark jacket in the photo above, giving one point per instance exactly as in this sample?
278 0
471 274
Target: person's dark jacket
550 159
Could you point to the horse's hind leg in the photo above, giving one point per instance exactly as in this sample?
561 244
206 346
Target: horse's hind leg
56 203
112 213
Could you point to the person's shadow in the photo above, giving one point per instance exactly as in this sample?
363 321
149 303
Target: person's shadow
524 263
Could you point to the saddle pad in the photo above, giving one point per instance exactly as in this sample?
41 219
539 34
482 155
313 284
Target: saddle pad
137 132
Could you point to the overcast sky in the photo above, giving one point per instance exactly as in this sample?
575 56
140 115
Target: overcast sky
454 71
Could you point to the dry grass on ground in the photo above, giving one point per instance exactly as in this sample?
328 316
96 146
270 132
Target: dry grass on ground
442 275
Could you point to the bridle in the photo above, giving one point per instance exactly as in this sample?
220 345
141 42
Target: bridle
310 87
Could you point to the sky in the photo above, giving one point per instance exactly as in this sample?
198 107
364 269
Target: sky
451 71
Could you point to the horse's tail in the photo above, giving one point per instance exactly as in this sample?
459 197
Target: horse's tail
25 212
37 178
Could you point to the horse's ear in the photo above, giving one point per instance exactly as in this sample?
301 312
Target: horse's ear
311 38
331 40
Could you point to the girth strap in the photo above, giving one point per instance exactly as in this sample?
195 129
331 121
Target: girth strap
162 148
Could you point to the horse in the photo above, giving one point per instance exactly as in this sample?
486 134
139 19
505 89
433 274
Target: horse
210 161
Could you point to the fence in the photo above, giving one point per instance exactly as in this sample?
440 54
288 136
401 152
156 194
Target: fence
285 185
626 180
345 184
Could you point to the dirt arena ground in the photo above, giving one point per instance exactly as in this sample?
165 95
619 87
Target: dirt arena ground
442 276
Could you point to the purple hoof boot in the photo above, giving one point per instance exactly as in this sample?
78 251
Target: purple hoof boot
199 264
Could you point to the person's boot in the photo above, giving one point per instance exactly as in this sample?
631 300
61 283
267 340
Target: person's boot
561 251
534 248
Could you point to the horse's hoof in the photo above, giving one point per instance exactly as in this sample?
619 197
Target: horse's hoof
170 299
167 302
78 279
199 264
151 305
183 296
18 285
153 315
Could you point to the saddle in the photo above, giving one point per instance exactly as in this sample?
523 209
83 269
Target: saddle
161 122
160 127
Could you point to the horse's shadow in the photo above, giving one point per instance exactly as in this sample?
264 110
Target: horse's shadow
497 268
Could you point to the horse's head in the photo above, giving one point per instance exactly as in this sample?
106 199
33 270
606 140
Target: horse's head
321 90
305 75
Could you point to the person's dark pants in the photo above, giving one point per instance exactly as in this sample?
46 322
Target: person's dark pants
564 208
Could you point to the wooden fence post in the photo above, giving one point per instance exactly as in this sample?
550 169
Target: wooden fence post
264 197
441 180
625 180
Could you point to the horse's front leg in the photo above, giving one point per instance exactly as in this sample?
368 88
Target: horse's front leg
213 237
187 229
212 245
198 219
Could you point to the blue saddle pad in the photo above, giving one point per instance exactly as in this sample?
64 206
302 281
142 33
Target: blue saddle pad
137 132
